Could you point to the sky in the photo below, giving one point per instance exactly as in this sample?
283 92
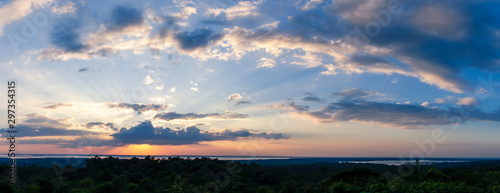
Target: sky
338 78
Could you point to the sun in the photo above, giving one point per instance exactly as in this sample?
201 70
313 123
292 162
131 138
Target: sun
138 149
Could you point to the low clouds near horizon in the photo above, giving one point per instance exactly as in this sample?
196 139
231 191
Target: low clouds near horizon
146 133
42 129
357 105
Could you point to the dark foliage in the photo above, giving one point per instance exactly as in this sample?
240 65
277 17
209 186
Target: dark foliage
201 175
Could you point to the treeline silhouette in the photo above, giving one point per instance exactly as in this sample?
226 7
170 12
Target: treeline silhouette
177 175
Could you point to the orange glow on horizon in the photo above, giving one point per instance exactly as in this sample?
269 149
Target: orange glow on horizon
139 149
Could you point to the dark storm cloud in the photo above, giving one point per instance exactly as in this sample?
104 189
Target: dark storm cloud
145 133
140 108
196 39
191 116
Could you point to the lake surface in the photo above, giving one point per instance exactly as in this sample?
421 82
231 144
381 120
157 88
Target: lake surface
78 160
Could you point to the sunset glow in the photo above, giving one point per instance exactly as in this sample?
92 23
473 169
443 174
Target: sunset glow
334 78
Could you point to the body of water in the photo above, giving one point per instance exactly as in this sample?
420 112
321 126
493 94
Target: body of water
64 159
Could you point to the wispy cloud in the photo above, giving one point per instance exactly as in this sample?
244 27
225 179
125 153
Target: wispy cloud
242 103
57 105
192 116
139 108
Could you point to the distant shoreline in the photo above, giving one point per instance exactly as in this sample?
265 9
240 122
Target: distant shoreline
79 160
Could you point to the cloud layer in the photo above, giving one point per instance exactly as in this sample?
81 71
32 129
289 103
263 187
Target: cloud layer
355 105
192 116
139 108
424 40
146 133
36 125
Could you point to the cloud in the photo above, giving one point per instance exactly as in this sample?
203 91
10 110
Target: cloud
37 131
242 9
313 99
83 70
308 60
356 93
468 101
243 103
428 42
196 39
192 116
18 9
65 36
57 105
86 69
125 16
405 115
448 99
320 31
148 80
140 108
234 96
311 4
101 124
356 11
146 133
67 8
185 12
36 125
279 106
439 101
44 121
266 63
299 108
125 30
440 65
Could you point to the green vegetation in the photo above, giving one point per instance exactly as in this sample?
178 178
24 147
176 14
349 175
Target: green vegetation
178 175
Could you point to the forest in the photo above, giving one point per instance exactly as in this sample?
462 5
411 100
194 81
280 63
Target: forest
203 175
